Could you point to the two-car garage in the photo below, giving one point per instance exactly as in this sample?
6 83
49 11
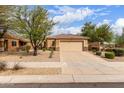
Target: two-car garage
68 42
71 46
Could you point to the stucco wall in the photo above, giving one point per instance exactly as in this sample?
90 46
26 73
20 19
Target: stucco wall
12 48
49 44
84 43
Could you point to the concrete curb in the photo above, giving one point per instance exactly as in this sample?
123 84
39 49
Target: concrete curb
62 79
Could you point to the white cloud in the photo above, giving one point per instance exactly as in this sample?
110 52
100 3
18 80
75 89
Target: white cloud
52 11
100 9
64 9
120 22
65 16
118 25
71 16
68 30
105 21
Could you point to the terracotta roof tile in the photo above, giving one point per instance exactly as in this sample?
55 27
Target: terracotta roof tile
67 36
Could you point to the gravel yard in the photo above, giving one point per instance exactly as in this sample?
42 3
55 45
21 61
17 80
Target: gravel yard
24 57
32 71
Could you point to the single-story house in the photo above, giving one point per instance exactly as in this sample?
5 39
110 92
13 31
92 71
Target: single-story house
11 41
67 42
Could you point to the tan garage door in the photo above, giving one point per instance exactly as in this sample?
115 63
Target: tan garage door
71 46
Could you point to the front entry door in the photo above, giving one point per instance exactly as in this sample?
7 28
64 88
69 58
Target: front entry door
6 45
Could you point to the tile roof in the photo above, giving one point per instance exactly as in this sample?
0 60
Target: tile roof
67 36
16 35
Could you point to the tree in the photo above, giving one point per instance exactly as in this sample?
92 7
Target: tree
119 39
104 33
32 23
88 30
100 33
5 14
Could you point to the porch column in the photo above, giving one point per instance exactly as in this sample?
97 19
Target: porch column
2 44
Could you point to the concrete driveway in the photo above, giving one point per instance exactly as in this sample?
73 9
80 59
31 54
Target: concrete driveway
85 63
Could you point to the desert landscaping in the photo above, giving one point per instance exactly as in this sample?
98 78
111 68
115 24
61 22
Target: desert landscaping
43 56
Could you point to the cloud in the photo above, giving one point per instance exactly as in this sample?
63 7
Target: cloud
52 11
66 16
100 9
72 15
118 25
67 30
105 21
64 9
120 22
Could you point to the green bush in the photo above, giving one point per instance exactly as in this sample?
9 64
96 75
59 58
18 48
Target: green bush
98 53
110 55
118 51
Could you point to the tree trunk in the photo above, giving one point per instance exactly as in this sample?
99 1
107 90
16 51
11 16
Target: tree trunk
35 51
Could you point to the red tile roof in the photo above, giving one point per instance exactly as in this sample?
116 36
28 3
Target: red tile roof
67 36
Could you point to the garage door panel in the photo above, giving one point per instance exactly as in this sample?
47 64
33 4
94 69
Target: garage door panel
70 46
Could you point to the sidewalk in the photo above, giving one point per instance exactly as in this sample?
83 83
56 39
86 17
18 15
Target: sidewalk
62 79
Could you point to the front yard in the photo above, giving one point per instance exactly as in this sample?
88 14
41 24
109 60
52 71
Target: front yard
116 59
112 57
24 57
32 71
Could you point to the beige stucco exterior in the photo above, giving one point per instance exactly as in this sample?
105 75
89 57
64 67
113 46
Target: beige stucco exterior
68 44
71 46
11 43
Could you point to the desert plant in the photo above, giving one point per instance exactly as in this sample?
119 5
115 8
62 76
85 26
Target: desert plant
27 48
98 53
17 67
51 53
2 66
109 55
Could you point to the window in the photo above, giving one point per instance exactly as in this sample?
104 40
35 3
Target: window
13 43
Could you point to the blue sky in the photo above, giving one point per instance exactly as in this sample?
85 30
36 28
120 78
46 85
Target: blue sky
70 18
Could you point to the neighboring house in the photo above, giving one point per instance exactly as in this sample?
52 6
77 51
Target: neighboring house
99 46
68 42
12 42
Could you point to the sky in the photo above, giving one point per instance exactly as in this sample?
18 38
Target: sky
70 18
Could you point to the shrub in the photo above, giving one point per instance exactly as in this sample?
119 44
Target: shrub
51 53
94 49
110 55
27 47
98 53
2 66
17 67
44 49
118 51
